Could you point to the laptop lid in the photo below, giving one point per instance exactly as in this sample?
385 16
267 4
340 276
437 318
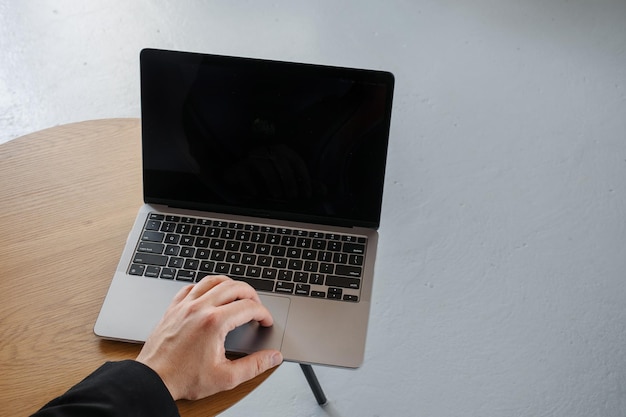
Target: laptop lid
261 138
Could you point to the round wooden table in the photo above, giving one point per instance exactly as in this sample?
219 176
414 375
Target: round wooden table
68 197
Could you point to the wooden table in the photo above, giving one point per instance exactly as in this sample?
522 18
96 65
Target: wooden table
68 198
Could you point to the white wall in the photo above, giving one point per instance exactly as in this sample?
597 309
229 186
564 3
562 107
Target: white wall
501 276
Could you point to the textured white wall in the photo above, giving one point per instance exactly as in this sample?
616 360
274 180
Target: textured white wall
501 285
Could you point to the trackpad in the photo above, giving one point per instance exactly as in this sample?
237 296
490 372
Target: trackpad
252 337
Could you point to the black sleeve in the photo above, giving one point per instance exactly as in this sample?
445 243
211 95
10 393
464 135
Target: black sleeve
126 388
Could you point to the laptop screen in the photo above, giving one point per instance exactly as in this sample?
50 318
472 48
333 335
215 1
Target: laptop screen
264 138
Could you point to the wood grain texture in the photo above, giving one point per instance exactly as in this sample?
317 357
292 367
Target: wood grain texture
68 198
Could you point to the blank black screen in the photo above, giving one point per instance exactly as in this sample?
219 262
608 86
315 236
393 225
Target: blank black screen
265 138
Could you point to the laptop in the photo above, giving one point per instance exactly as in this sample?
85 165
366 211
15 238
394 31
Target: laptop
268 172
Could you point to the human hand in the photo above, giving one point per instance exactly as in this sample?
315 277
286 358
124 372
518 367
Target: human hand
187 349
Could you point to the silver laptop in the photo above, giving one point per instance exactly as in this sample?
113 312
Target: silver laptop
271 173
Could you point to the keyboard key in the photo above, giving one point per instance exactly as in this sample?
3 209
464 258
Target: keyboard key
326 268
213 232
343 282
238 270
207 266
198 230
272 239
168 227
284 287
318 294
172 250
248 247
263 249
353 298
202 242
168 273
151 247
319 244
202 254
191 264
152 271
295 264
184 275
152 236
302 289
279 263
340 258
217 244
301 277
176 262
248 259
187 252
264 261
256 283
218 255
269 273
233 257
232 245
347 270
354 248
243 236
316 279
152 225
183 229
285 275
258 237
150 259
303 243
355 260
278 251
325 256
254 272
137 269
172 239
334 246
310 266
335 293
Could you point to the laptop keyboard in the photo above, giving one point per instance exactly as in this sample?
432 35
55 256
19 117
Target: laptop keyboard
271 259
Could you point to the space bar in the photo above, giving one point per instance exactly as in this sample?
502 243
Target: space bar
257 284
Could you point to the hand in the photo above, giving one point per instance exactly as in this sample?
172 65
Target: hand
187 349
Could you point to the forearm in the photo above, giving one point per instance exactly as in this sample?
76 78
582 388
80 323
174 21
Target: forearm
115 389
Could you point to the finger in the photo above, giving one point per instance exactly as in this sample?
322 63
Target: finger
250 366
241 312
206 284
228 291
181 294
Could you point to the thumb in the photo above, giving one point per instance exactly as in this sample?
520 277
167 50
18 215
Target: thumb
255 364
